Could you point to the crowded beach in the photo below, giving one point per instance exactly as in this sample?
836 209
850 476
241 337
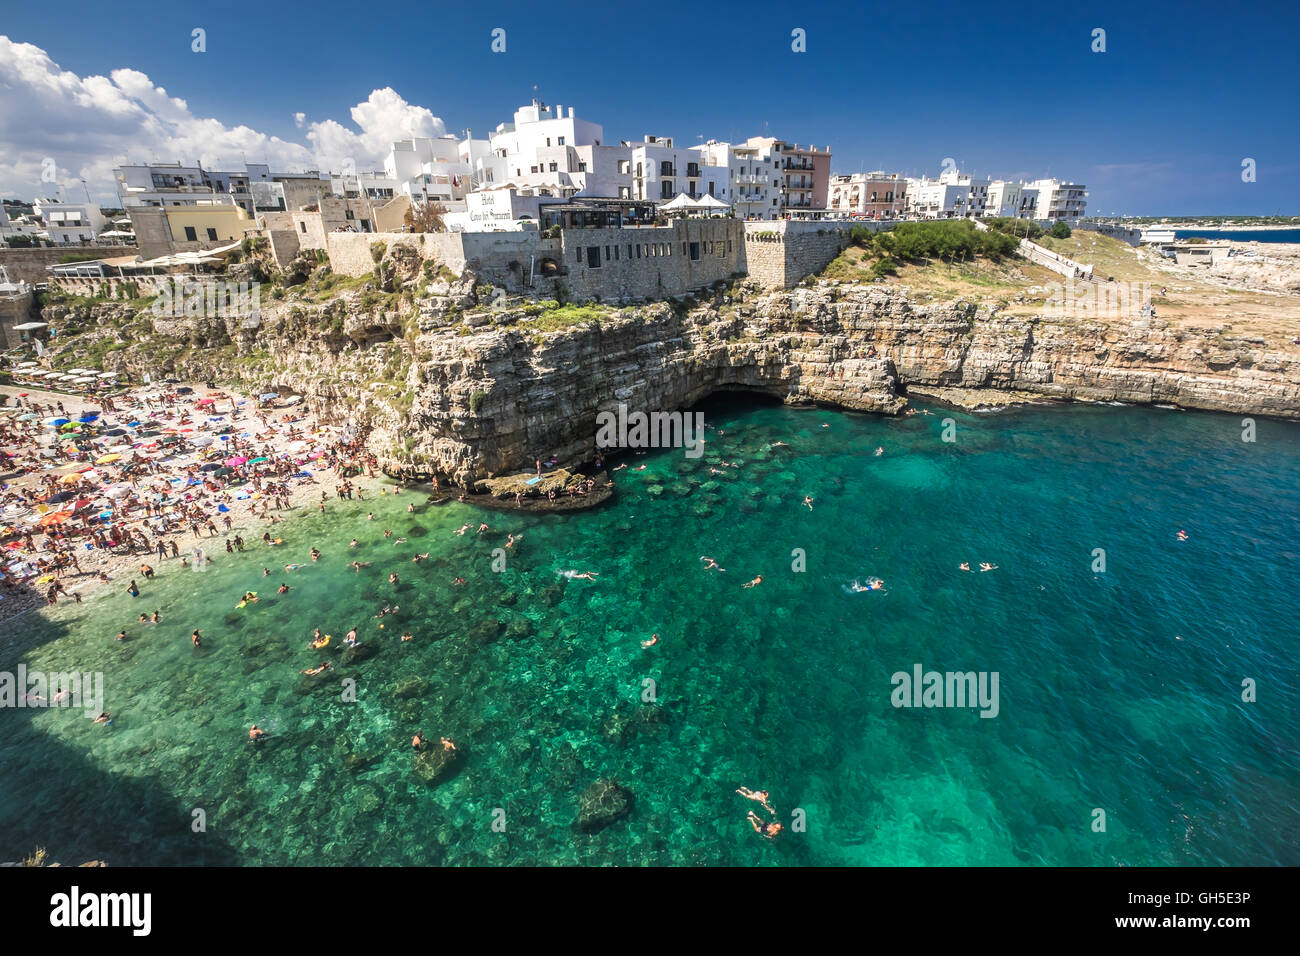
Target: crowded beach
97 490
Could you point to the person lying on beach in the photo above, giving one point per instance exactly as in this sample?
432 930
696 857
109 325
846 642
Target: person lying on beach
760 796
754 583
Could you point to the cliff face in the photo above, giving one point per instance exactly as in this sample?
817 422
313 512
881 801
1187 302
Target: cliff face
495 393
859 349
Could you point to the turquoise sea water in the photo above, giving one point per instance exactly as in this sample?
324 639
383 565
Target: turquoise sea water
1118 690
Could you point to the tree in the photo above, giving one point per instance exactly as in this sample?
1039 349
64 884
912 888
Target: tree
425 217
1060 231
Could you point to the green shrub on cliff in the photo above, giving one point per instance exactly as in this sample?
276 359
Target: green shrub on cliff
476 400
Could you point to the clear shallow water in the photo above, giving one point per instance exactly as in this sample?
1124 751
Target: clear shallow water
785 686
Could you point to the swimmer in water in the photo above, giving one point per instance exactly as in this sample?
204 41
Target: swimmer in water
447 744
964 566
121 635
358 565
352 543
457 580
292 567
759 796
1182 535
482 527
370 516
196 639
985 566
711 564
103 718
399 541
315 555
408 636
769 829
879 451
257 733
808 501
313 671
511 539
654 639
462 529
420 557
393 578
417 742
282 589
588 575
351 638
266 572
758 579
388 534
154 619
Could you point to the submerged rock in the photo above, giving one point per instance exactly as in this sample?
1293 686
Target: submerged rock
414 686
601 804
358 652
435 764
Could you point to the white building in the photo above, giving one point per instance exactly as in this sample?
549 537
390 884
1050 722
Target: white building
661 170
1058 200
935 199
70 223
1011 200
875 195
755 186
433 170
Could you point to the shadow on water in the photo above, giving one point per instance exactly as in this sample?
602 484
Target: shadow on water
56 797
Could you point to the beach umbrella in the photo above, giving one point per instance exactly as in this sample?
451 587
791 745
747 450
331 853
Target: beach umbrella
56 422
29 417
118 491
70 479
115 431
203 441
258 461
204 402
222 472
235 460
108 459
88 418
55 517
210 466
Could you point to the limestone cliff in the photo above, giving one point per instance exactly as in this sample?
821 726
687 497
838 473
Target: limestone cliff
470 394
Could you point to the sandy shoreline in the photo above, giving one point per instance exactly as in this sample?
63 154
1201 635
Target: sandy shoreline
123 567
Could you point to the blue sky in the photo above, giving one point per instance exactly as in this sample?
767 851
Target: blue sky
1158 124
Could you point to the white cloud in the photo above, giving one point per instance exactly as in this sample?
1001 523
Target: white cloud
88 125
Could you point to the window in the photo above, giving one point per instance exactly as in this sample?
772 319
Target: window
582 167
190 234
616 253
607 253
624 166
553 167
638 170
593 257
639 247
548 141
666 168
629 250
728 245
578 254
695 251
302 226
532 169
560 141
